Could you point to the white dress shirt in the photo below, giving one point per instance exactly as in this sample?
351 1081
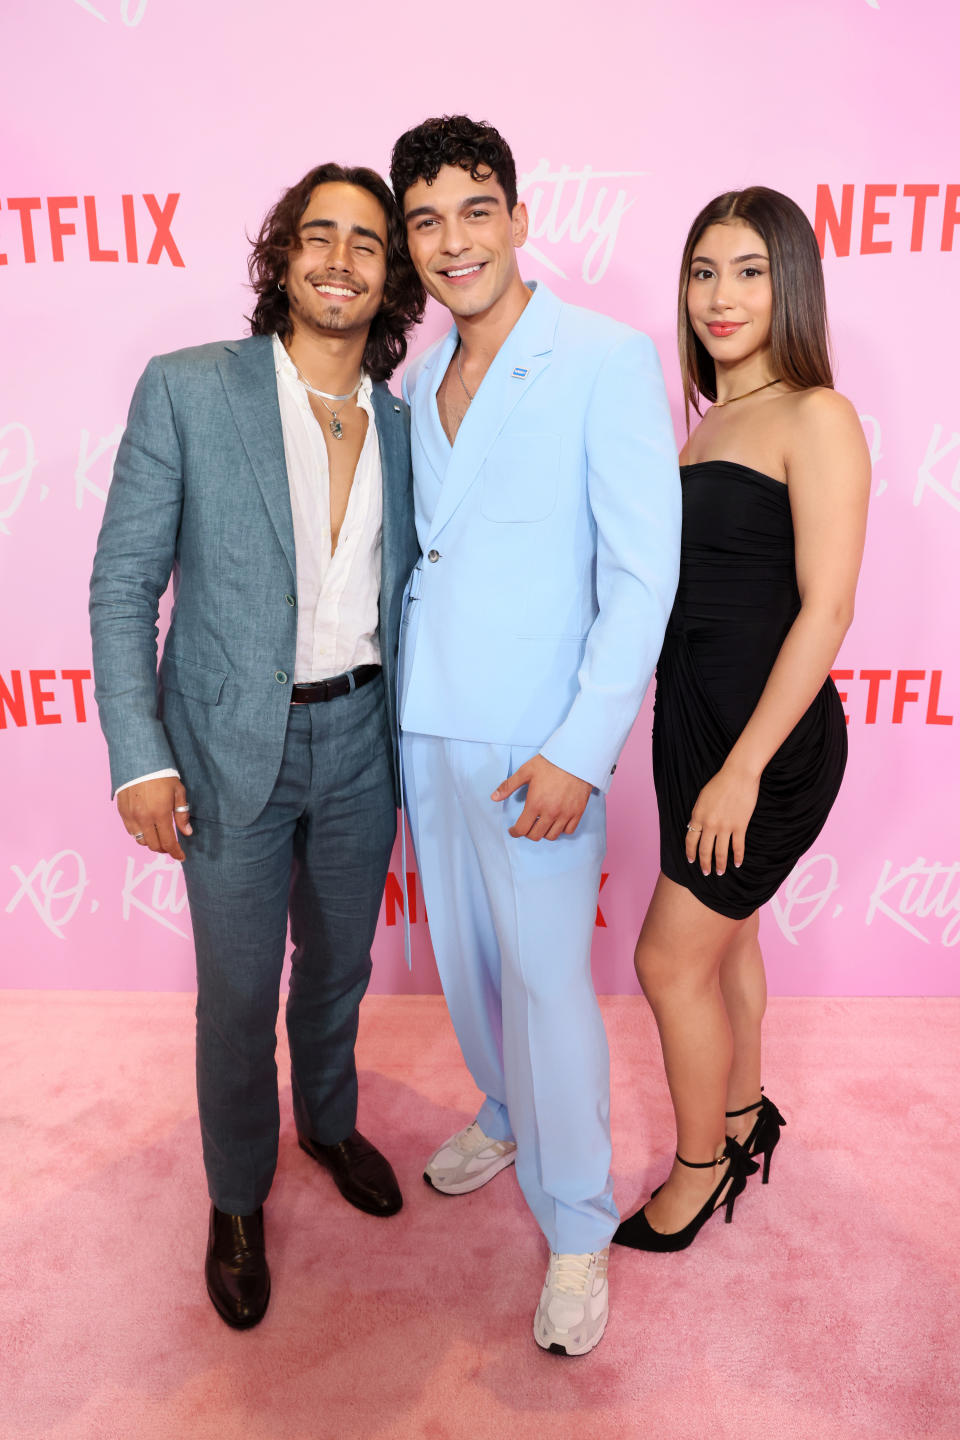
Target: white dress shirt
338 595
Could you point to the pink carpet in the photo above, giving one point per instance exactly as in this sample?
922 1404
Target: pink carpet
828 1311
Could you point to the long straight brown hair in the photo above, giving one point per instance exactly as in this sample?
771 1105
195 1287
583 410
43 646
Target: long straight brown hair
799 343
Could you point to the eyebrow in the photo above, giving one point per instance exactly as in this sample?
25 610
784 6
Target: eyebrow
332 225
737 259
464 205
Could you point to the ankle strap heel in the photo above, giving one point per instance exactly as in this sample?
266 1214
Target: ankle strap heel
740 1167
735 1114
637 1232
765 1135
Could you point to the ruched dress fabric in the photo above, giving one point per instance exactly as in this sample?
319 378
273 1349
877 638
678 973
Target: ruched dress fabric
737 597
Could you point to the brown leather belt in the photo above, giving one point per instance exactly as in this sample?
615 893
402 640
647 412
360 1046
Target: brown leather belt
333 688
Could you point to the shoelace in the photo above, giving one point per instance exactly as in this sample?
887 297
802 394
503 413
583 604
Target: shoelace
471 1140
571 1273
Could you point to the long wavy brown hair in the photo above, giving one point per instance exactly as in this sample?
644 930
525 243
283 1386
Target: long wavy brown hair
799 340
279 238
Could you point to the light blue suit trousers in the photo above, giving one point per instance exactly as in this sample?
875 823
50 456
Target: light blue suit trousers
511 924
550 536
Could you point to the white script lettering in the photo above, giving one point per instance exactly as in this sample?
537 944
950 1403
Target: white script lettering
926 480
804 893
106 446
19 478
164 894
919 890
54 888
129 16
559 208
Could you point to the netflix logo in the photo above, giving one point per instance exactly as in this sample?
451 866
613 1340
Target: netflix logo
43 697
138 227
395 902
857 219
885 694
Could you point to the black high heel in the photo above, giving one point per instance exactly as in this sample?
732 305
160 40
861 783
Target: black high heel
637 1232
765 1135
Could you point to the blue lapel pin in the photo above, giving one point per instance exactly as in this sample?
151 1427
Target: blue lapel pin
519 373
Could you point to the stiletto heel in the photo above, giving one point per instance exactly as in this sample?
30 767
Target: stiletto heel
637 1232
765 1135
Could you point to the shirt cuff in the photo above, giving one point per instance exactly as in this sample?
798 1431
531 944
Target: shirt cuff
154 775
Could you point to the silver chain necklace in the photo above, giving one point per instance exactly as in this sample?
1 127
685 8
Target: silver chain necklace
460 373
334 425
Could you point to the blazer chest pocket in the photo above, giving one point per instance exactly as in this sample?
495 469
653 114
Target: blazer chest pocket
520 477
194 681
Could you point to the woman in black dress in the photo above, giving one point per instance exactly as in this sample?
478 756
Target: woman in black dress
749 734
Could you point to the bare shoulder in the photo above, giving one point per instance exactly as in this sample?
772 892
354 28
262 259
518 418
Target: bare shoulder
820 413
823 427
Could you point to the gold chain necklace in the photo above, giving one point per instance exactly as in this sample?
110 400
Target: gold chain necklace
719 404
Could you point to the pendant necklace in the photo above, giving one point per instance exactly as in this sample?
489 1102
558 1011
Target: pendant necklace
334 425
719 404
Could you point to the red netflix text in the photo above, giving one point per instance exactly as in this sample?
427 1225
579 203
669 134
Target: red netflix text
43 697
857 218
885 694
394 899
112 228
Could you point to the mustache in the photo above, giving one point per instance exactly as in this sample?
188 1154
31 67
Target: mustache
316 278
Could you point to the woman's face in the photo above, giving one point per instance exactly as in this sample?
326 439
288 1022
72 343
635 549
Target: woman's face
729 294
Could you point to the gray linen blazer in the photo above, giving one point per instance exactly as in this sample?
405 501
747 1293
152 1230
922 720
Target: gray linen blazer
200 492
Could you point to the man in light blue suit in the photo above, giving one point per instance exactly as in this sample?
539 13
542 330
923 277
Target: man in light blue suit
548 512
271 477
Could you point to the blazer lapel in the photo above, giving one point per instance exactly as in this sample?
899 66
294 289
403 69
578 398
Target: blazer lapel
522 358
249 378
390 433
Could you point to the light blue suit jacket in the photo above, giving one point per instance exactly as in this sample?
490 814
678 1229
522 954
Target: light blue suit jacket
551 541
200 490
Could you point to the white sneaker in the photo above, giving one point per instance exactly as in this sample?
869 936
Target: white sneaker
573 1309
468 1160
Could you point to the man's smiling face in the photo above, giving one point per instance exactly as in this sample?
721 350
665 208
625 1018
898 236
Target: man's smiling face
335 280
463 239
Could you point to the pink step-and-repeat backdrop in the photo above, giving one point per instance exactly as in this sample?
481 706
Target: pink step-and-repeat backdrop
143 138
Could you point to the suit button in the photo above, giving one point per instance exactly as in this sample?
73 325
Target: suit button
289 599
433 556
281 677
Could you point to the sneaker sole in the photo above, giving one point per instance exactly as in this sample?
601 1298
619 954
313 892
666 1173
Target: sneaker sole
474 1182
555 1348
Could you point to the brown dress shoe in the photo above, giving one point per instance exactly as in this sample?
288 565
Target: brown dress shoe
363 1176
238 1280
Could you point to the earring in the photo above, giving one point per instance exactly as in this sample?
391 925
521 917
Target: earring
281 288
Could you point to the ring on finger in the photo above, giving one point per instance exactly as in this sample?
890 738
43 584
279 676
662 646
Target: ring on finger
181 809
695 829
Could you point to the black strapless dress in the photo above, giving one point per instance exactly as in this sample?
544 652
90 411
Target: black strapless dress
736 600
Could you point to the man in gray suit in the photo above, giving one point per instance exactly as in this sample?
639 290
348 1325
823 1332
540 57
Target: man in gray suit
271 478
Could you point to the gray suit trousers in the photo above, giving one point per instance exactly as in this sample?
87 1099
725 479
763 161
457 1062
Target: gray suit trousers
318 853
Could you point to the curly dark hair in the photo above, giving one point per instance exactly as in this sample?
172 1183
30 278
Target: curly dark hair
452 140
403 296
